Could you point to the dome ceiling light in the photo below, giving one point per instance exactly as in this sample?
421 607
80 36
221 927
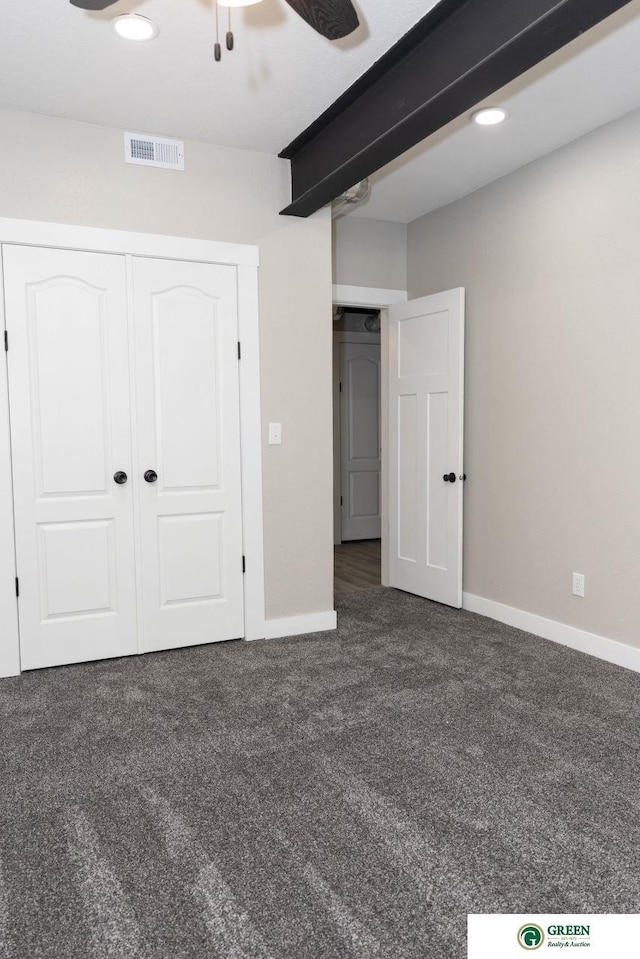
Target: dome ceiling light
490 116
131 26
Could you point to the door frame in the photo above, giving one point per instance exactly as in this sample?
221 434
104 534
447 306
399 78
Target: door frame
379 299
245 259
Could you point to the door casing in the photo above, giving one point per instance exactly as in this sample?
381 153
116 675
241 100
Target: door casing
245 259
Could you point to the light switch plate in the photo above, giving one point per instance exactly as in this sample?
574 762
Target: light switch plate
275 434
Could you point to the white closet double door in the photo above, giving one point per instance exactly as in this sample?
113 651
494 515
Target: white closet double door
123 388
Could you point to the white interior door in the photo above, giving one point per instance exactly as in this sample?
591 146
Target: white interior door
360 440
66 317
426 388
188 428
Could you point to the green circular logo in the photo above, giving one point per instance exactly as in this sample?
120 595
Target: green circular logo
530 936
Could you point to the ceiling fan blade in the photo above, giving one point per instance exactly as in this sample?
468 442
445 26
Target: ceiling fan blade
334 19
93 4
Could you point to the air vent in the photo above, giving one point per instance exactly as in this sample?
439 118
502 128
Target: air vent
153 151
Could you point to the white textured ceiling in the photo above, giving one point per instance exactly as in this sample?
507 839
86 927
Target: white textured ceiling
62 61
591 82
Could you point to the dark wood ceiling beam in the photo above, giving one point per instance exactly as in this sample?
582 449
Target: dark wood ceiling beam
455 57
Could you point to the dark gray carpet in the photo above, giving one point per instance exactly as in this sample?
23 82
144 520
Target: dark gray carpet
336 796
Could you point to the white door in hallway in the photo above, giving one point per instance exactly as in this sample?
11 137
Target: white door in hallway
426 391
66 317
360 440
188 453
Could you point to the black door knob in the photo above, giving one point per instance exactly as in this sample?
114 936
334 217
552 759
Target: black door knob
120 478
151 476
449 477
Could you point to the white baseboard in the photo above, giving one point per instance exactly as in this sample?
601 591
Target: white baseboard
9 669
608 649
299 625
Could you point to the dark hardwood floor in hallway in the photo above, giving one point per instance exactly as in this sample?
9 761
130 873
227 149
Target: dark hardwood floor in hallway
357 565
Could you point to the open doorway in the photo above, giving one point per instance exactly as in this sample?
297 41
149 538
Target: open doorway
418 391
357 447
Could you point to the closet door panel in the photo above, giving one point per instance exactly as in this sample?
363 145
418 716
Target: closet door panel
66 315
189 436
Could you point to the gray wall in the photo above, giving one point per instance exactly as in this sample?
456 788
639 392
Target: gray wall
62 171
369 253
550 257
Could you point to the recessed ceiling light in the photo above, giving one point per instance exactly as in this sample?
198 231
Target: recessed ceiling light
132 26
489 116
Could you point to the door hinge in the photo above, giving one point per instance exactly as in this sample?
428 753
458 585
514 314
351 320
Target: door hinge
6 341
341 387
17 586
244 565
239 351
340 501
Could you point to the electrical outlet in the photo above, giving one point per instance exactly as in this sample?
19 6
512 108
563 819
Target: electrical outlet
578 585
